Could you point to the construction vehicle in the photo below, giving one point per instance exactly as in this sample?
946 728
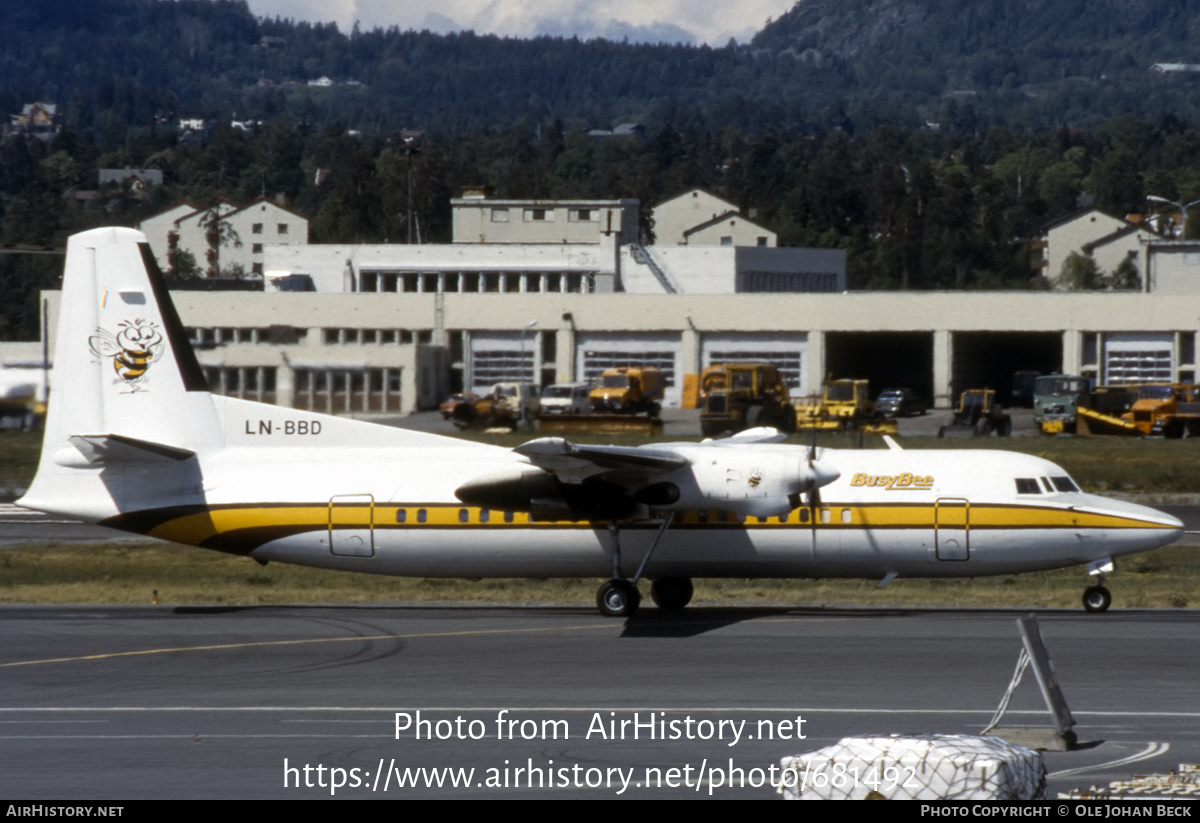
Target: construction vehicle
978 413
629 390
22 397
739 396
1065 404
1055 399
1165 410
844 405
507 405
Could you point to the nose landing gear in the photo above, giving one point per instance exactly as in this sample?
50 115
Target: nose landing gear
1096 598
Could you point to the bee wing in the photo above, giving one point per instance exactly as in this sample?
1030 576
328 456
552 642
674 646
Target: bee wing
104 344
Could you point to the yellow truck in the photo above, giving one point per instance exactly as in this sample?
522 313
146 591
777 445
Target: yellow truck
1165 410
628 390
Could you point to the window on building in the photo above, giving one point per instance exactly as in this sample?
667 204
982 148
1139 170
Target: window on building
726 241
499 215
256 228
581 215
256 248
283 228
539 215
762 241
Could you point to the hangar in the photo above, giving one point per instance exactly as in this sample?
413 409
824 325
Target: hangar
394 328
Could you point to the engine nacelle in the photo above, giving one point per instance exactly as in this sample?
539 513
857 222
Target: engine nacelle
752 482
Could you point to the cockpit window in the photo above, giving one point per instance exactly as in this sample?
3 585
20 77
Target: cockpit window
1064 484
1027 485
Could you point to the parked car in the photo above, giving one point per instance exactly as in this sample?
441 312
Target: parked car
565 398
900 403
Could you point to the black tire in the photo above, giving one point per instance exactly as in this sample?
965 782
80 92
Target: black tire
671 593
618 598
787 420
1096 599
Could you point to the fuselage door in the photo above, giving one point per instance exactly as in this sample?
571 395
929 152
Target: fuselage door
952 528
352 525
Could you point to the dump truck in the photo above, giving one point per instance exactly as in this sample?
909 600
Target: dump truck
844 405
629 390
978 413
739 396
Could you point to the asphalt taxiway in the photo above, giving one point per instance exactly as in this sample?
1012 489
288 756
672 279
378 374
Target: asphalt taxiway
283 702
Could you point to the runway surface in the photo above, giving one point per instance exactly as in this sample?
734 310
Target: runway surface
144 702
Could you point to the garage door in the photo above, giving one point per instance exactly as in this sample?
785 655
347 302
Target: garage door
1139 358
786 351
597 352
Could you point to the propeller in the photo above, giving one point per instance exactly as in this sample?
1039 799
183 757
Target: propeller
814 495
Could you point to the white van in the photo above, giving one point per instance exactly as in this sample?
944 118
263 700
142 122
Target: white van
565 398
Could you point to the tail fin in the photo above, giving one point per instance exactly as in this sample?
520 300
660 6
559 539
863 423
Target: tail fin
124 371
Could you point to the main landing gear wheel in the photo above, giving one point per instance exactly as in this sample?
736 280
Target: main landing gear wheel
618 598
1096 599
671 593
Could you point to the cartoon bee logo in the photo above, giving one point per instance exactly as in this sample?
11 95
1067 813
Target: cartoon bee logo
755 478
136 345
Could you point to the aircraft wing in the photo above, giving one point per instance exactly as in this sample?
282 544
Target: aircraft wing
574 463
750 475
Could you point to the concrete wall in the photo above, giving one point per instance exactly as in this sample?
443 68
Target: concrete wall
568 316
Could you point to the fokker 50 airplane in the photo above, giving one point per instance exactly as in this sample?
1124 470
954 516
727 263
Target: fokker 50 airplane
135 441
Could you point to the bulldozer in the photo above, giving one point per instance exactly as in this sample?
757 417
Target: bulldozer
978 413
844 406
739 396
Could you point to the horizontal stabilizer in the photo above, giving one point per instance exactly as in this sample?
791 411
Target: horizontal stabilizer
116 448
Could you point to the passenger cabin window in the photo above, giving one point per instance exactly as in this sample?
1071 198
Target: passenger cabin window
401 515
1027 485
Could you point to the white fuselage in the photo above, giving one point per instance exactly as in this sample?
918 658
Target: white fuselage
392 510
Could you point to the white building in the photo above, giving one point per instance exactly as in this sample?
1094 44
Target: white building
480 219
225 237
700 218
395 327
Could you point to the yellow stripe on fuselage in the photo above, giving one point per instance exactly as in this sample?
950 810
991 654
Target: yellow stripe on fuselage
208 526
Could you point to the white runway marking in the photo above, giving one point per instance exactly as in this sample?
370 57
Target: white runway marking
1151 750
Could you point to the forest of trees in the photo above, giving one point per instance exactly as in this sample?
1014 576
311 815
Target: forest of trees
916 206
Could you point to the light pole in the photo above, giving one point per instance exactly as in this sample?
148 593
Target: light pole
521 383
1183 210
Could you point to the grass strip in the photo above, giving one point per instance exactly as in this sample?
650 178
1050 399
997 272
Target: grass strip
116 573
